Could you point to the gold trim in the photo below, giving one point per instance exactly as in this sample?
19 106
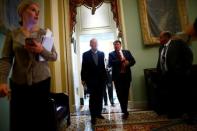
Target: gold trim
183 13
148 39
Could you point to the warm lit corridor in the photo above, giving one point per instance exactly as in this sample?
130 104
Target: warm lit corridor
137 24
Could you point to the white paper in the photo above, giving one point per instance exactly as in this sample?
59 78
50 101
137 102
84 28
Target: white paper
47 42
48 33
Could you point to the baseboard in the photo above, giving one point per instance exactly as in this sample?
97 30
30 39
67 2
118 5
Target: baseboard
130 104
139 104
74 108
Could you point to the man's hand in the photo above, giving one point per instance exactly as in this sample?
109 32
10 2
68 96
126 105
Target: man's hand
83 83
4 90
126 62
123 59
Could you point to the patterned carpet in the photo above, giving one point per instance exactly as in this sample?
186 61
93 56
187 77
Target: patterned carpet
171 125
137 121
131 127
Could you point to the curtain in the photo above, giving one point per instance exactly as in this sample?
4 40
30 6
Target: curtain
8 15
93 5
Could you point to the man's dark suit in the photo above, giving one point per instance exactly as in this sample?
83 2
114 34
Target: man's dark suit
173 81
121 80
94 77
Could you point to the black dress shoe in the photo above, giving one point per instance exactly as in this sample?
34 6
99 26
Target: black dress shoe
174 115
113 105
125 116
100 117
93 121
191 121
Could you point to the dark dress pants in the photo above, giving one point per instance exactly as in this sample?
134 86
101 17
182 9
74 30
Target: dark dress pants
109 88
171 94
29 107
122 86
96 99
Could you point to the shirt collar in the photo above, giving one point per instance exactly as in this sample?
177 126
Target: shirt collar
119 51
94 51
167 44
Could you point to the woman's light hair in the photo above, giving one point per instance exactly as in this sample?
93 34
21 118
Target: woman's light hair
23 5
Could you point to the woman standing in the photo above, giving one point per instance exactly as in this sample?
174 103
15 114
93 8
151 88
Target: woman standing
30 79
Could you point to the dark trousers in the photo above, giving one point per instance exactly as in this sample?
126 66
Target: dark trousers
29 107
96 100
171 94
122 86
109 87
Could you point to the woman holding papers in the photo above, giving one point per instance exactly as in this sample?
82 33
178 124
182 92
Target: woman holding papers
30 78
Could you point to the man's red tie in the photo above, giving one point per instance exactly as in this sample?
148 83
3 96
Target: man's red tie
123 69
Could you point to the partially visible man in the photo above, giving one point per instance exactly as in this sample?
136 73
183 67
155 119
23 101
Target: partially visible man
109 87
191 30
93 75
195 26
189 34
174 64
121 61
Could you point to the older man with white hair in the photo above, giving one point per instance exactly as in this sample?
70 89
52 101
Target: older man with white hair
93 75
